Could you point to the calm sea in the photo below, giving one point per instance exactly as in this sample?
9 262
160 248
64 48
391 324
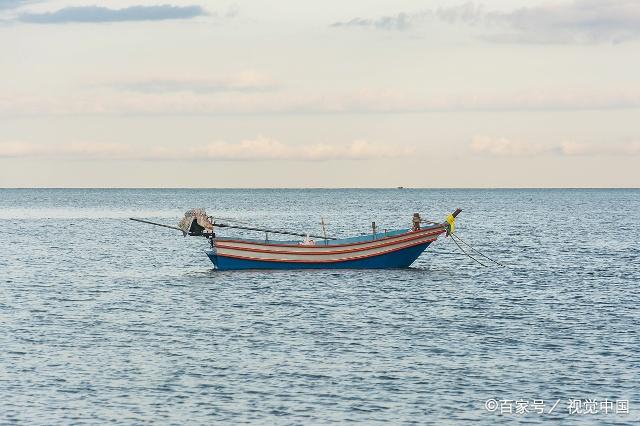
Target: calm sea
106 320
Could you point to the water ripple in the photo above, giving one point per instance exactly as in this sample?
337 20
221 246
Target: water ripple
104 320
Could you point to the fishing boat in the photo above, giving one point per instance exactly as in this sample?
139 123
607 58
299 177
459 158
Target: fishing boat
377 250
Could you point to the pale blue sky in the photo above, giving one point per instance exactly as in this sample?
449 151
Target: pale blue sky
328 94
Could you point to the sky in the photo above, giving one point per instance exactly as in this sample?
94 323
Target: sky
228 94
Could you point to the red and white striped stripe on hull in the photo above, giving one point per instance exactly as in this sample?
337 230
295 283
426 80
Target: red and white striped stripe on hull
249 250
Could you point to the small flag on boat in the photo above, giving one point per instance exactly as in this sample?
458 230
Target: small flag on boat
451 220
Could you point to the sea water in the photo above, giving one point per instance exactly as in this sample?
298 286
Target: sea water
107 320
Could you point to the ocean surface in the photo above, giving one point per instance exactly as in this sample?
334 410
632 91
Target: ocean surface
104 320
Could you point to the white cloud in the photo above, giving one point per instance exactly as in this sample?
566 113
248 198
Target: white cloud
70 150
505 147
269 149
467 13
571 148
569 21
248 150
577 21
245 81
187 99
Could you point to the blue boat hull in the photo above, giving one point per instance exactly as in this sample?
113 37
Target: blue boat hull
397 259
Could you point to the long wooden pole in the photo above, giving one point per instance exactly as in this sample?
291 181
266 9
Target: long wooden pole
225 225
157 224
271 231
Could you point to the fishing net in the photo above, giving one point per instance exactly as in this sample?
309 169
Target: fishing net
195 221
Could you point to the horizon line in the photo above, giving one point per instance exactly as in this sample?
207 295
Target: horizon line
398 188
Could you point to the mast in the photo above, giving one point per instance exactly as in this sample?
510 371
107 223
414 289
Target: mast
324 229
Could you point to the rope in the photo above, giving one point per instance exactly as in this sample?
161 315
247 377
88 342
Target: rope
477 251
462 250
252 227
448 253
233 220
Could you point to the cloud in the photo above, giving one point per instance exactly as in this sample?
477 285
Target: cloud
14 4
401 21
577 21
247 81
96 14
577 149
467 13
70 150
269 149
234 96
505 147
259 149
